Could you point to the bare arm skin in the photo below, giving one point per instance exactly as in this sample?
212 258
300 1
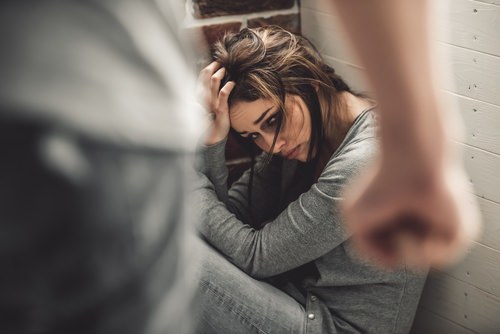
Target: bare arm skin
415 203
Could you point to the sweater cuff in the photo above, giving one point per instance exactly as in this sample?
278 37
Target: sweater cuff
215 154
213 160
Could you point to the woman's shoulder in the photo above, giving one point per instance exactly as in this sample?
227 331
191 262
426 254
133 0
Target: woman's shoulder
357 150
364 127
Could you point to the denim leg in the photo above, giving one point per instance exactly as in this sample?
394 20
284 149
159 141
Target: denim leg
231 302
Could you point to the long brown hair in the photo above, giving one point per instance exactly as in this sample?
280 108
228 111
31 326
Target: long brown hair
270 63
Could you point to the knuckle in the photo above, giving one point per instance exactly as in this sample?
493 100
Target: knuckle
205 71
214 78
226 90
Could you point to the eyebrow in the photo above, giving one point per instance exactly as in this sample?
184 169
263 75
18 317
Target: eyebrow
258 120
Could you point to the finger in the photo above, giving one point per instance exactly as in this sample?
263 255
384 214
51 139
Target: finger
444 251
207 72
203 84
391 236
363 216
379 252
223 104
434 252
410 249
373 229
366 204
215 81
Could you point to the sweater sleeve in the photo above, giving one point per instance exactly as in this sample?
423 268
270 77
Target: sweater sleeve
308 228
265 185
213 165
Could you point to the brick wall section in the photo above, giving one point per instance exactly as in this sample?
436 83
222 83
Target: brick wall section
210 19
290 22
214 8
213 32
214 17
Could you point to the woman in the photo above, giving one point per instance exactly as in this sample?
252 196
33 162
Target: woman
284 263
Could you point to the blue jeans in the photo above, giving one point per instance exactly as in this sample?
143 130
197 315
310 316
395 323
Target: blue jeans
232 302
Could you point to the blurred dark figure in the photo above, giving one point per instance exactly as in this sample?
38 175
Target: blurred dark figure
96 136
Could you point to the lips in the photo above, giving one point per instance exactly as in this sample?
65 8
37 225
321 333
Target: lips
293 153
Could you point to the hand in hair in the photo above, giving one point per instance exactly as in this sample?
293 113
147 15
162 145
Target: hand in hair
215 100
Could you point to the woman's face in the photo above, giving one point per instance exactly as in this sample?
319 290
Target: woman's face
257 121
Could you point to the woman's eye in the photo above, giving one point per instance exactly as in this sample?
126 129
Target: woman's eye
271 121
253 136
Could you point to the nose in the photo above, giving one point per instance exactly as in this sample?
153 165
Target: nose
268 141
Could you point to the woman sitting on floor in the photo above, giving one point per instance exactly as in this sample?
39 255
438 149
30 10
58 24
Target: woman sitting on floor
282 261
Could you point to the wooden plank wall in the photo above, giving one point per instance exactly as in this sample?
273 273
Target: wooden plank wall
465 298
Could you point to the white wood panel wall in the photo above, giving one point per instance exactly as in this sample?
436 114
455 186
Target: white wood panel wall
466 297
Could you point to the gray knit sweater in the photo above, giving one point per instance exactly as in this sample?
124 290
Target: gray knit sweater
346 295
